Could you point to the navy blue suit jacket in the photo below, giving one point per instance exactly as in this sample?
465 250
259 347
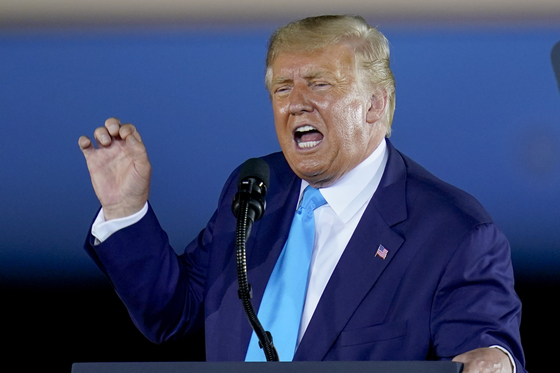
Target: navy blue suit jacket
445 287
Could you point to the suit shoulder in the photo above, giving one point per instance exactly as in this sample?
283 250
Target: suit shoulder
427 192
276 162
281 175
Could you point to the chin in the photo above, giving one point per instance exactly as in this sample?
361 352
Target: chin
305 168
311 168
315 177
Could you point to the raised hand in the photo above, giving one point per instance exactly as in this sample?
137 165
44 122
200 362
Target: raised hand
119 168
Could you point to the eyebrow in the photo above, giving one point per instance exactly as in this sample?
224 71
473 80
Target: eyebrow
308 76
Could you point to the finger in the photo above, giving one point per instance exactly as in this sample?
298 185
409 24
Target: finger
113 126
102 136
85 144
128 130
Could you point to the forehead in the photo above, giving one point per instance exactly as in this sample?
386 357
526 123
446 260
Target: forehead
333 60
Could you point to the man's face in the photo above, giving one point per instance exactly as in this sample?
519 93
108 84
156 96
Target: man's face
326 122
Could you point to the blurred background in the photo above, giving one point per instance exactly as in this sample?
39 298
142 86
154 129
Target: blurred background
477 104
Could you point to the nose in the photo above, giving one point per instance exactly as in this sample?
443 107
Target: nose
299 99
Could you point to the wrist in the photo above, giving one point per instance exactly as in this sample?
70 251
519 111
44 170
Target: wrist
119 212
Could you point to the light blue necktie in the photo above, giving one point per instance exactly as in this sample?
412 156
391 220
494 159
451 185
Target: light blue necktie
282 304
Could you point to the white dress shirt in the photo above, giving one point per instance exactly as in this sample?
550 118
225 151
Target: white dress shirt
336 221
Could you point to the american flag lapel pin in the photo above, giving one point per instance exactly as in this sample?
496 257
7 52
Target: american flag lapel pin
382 252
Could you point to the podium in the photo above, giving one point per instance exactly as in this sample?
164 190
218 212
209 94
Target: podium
274 367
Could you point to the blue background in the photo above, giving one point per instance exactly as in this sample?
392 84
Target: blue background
480 108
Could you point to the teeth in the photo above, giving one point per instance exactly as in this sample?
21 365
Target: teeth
308 144
301 132
306 128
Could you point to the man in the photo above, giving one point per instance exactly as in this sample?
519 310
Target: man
404 266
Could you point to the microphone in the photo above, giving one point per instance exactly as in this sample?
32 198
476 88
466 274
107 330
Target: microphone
248 206
555 58
252 187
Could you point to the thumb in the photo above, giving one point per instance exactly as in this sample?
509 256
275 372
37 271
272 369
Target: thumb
133 140
137 151
135 145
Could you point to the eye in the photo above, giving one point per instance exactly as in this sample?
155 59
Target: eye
320 84
282 90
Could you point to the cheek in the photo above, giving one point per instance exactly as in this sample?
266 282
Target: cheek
282 135
279 108
280 120
349 121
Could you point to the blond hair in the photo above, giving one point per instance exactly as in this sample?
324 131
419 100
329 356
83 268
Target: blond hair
370 46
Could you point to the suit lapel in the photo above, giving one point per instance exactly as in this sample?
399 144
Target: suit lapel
359 267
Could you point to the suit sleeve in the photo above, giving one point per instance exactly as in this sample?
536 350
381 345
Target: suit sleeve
475 304
162 291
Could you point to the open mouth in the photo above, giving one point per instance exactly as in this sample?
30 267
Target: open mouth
307 137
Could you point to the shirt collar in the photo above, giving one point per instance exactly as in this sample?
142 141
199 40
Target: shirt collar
348 194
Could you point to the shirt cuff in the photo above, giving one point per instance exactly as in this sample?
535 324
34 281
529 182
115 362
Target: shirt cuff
102 229
511 360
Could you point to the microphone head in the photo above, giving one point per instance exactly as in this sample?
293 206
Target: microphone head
555 58
252 187
255 168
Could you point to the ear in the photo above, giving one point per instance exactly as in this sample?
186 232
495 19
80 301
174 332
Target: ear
377 106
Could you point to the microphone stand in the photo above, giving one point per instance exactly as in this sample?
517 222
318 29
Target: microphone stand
245 294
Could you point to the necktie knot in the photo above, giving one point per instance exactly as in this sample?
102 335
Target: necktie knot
312 198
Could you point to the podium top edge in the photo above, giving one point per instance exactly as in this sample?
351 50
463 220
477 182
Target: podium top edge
271 367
